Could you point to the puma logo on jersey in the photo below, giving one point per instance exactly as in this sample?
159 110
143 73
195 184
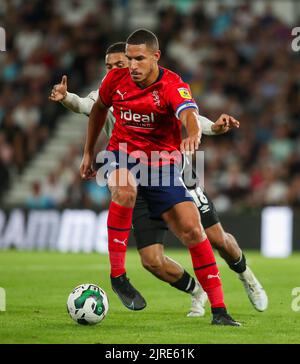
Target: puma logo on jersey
120 93
130 116
210 276
123 242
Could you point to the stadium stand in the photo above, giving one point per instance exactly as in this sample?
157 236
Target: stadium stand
236 61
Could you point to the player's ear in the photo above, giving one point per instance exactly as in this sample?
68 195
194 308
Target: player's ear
157 55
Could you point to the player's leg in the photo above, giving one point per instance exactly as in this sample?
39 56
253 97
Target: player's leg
171 201
150 235
229 249
155 261
170 271
184 220
123 190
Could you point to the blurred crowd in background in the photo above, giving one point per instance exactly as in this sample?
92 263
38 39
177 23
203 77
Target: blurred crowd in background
236 63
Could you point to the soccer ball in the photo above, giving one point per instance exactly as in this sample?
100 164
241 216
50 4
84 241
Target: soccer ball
87 304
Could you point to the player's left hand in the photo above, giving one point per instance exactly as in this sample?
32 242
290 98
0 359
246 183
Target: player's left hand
190 144
224 124
59 91
86 167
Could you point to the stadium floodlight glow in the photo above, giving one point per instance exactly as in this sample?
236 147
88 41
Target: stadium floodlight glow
276 232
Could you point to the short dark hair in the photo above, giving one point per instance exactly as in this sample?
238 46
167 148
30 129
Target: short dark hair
116 48
143 36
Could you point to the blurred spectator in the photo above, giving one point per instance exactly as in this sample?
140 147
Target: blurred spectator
97 194
38 200
281 146
76 196
6 156
75 10
234 183
271 189
293 196
222 22
27 40
54 190
16 139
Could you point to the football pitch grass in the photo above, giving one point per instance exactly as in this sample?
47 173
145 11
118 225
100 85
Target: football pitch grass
37 285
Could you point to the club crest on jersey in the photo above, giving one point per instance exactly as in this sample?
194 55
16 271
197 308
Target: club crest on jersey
156 98
185 93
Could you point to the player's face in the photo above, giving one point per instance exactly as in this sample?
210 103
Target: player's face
142 61
115 60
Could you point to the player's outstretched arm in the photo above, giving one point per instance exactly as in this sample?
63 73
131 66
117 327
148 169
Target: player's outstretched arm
221 126
80 105
224 124
96 122
189 118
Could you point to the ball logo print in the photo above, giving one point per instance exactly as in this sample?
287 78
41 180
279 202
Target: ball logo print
296 41
296 301
2 299
2 40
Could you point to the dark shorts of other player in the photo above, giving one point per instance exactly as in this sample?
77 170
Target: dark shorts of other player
161 187
148 231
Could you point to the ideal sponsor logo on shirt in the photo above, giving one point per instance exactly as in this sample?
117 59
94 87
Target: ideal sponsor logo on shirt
138 118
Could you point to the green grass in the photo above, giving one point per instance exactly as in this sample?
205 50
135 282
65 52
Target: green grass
37 285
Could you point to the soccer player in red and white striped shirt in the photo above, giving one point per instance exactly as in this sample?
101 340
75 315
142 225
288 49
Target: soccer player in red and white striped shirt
150 105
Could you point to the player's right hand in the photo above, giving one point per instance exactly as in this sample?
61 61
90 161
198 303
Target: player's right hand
86 169
190 144
59 91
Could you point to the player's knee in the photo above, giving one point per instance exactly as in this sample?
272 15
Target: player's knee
219 240
153 263
124 196
193 235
